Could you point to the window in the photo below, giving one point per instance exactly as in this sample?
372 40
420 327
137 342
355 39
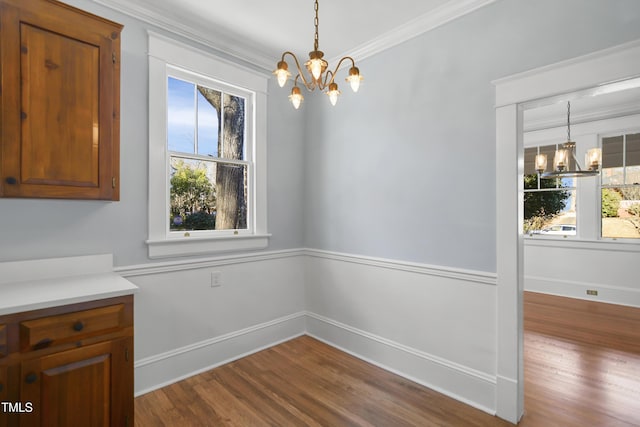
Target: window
549 204
208 166
207 153
620 186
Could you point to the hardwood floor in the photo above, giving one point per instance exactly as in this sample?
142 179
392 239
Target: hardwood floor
582 363
569 381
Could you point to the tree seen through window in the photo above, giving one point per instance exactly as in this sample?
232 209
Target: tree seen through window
208 169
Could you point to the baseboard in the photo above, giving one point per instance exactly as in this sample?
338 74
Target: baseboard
467 385
575 289
167 368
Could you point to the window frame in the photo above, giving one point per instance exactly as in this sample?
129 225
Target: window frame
165 57
588 190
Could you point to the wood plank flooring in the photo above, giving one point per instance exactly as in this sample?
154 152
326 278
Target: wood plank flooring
303 382
582 363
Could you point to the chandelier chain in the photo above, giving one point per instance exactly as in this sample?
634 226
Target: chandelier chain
315 22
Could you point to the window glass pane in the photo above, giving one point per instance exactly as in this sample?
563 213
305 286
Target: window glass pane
531 182
181 116
192 194
632 150
546 208
231 192
529 161
233 128
208 130
612 160
207 195
621 212
632 159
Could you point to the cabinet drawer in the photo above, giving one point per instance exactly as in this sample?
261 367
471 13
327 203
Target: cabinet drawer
52 330
3 341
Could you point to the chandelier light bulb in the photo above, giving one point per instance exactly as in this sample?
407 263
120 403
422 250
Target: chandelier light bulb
561 159
282 73
354 78
315 66
541 163
333 93
296 97
593 158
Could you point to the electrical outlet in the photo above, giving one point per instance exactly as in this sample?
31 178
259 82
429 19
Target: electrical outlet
216 279
592 292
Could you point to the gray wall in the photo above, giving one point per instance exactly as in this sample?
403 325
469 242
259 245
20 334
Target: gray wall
402 170
405 169
31 229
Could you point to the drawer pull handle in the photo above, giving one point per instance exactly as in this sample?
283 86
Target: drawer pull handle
78 326
11 180
31 378
1 387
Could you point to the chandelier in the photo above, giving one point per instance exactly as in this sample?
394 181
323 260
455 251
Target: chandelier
565 157
319 77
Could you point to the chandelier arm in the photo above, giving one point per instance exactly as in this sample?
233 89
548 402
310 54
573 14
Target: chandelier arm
300 73
575 160
335 71
328 79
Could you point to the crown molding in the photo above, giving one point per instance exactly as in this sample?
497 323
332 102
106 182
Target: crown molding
431 20
259 58
224 43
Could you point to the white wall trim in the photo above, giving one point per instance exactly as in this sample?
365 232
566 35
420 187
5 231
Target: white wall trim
462 383
427 269
578 289
424 23
605 66
481 376
608 245
223 42
190 264
166 368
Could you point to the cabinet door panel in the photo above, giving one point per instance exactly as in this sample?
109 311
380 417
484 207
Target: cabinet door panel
60 99
75 388
60 82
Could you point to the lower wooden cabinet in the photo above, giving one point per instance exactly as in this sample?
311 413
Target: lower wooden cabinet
79 372
3 394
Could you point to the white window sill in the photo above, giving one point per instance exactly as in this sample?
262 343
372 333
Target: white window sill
206 245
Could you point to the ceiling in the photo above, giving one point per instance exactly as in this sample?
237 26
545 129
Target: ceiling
258 31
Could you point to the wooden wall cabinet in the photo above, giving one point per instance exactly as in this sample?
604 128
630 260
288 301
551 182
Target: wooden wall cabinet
60 99
69 366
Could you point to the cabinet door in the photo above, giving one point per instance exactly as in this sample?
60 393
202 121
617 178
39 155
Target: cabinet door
86 386
60 100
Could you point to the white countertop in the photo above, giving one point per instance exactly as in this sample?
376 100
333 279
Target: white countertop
33 289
